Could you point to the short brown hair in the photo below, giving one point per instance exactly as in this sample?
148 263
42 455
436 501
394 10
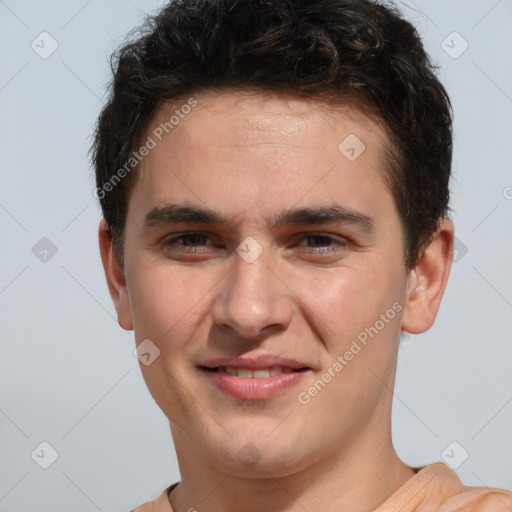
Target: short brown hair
357 49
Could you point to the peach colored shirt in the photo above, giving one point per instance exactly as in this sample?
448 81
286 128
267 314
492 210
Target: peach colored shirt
431 487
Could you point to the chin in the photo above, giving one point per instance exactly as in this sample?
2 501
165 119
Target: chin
247 455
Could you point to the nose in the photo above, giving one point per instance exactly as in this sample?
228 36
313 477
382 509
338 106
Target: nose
253 301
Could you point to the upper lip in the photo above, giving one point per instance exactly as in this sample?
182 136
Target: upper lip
256 362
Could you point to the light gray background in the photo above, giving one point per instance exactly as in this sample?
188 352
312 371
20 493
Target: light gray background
67 372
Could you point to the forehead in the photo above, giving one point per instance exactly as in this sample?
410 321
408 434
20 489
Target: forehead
252 118
247 151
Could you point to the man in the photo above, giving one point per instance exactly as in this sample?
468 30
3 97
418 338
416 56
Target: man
274 184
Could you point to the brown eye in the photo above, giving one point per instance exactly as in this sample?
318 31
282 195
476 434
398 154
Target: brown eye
319 240
191 239
323 243
190 247
321 247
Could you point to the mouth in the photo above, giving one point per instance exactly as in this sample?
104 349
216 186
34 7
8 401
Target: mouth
245 383
259 373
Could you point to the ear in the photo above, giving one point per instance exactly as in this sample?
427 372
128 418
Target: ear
427 281
115 277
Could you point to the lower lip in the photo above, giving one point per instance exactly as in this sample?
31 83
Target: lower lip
253 388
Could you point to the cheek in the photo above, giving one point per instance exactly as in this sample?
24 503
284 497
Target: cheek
348 302
167 304
160 298
170 304
342 301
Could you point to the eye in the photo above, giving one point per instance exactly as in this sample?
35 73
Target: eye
318 240
190 239
322 245
322 241
189 246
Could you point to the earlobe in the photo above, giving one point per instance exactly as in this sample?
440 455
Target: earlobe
115 276
427 281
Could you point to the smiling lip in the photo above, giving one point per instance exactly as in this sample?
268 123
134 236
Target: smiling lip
256 387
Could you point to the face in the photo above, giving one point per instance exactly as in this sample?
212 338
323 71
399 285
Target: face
264 261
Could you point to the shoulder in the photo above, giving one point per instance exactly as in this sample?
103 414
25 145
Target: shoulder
481 499
146 507
437 486
161 504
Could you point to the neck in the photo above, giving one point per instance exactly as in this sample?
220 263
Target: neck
357 477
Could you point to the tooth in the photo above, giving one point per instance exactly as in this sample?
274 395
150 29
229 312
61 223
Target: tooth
261 374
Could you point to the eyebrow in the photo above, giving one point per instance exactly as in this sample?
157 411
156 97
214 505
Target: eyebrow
331 214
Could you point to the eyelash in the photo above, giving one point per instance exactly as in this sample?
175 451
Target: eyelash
341 243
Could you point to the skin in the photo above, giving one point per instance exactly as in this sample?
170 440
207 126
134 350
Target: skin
249 157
